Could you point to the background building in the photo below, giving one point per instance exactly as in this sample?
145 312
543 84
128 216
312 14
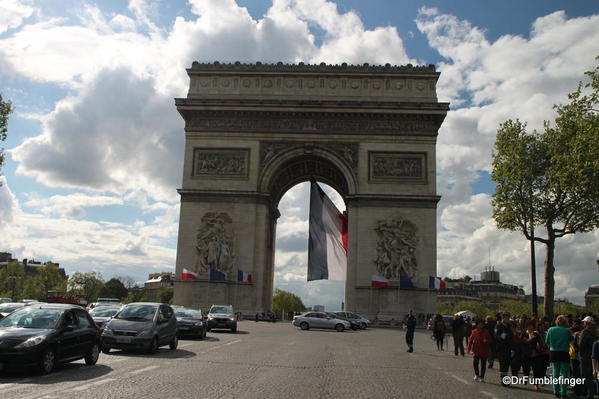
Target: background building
489 290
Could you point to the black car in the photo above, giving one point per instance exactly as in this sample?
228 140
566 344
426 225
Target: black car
44 335
190 322
353 323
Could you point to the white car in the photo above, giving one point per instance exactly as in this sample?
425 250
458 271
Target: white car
310 320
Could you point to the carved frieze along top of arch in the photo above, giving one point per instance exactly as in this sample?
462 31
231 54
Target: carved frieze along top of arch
405 83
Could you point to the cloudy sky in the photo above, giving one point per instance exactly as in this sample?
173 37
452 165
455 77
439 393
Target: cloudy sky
95 144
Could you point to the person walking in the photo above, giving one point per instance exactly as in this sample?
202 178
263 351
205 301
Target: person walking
479 343
490 326
503 340
410 328
559 338
520 358
578 389
537 352
458 327
585 348
439 331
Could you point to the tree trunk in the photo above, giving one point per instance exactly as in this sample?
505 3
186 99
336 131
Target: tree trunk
549 278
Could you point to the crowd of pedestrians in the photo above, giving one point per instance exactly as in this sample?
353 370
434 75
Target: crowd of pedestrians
567 346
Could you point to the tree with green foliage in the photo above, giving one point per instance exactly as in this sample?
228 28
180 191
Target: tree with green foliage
550 179
88 284
166 295
287 302
12 280
5 110
50 278
113 288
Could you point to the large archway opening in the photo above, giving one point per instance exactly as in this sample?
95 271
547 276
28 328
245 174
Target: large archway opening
291 249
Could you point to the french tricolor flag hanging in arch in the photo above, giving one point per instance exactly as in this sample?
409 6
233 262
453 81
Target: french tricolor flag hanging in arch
327 238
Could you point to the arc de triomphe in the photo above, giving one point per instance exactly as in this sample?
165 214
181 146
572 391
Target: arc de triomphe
252 131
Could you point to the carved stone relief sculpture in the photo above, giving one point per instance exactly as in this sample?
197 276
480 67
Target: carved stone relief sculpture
220 162
215 244
396 248
397 167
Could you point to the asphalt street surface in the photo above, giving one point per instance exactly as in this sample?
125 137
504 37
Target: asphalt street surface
265 360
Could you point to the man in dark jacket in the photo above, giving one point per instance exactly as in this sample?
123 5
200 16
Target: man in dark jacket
490 326
585 348
410 327
503 345
458 329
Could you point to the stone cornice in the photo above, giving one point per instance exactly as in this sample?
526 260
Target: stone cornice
395 201
310 68
404 124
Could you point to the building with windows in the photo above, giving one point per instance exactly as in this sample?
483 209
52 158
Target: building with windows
489 290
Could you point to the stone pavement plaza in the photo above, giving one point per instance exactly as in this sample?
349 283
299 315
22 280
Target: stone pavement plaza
265 360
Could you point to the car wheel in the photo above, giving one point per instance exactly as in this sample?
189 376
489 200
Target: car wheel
48 362
105 349
153 348
92 356
339 327
363 326
174 343
304 326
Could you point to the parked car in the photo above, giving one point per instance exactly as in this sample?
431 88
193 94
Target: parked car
310 320
447 320
141 325
354 325
222 316
5 300
8 308
363 322
190 322
47 334
103 314
104 301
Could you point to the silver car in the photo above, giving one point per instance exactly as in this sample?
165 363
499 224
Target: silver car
319 320
363 322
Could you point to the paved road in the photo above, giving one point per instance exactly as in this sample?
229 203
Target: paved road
265 360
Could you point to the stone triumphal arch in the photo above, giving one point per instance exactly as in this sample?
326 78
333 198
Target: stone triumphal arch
255 130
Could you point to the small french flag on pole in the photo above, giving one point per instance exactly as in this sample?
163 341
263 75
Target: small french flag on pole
189 275
244 277
379 282
436 283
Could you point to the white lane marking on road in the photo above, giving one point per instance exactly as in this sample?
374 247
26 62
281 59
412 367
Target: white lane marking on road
220 346
185 345
463 381
91 384
489 394
143 370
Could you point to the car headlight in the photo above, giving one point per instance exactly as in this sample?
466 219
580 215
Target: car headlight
144 333
210 318
107 331
231 318
198 324
32 342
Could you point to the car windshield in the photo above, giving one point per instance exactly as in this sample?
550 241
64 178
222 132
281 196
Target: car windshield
9 307
32 318
221 309
188 314
103 311
137 312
